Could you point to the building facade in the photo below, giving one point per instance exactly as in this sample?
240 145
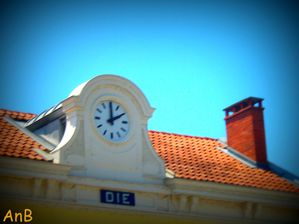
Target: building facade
91 159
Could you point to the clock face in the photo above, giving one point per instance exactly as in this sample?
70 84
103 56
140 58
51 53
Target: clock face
111 121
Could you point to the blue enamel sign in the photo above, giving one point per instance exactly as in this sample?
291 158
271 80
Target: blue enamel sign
117 197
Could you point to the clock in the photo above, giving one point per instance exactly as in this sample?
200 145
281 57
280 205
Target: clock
111 121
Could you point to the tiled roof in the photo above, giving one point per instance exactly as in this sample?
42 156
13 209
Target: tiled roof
16 115
15 143
189 157
199 158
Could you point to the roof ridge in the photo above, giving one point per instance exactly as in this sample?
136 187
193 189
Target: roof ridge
183 135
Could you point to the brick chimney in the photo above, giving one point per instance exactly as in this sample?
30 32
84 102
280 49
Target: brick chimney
245 128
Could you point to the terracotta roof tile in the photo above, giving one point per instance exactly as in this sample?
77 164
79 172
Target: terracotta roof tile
15 143
16 115
198 158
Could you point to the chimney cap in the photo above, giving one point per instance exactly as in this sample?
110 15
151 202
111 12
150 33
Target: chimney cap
250 101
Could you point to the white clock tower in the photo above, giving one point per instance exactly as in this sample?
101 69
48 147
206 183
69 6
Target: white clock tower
106 132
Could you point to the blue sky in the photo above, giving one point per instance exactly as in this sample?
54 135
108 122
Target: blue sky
188 57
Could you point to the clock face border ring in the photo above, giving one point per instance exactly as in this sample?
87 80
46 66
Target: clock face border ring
111 120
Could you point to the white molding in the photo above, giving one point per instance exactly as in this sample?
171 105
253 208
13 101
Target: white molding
169 173
175 186
120 185
182 197
32 168
47 156
40 169
232 192
84 89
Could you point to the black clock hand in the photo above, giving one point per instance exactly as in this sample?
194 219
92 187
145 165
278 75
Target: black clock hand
110 120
